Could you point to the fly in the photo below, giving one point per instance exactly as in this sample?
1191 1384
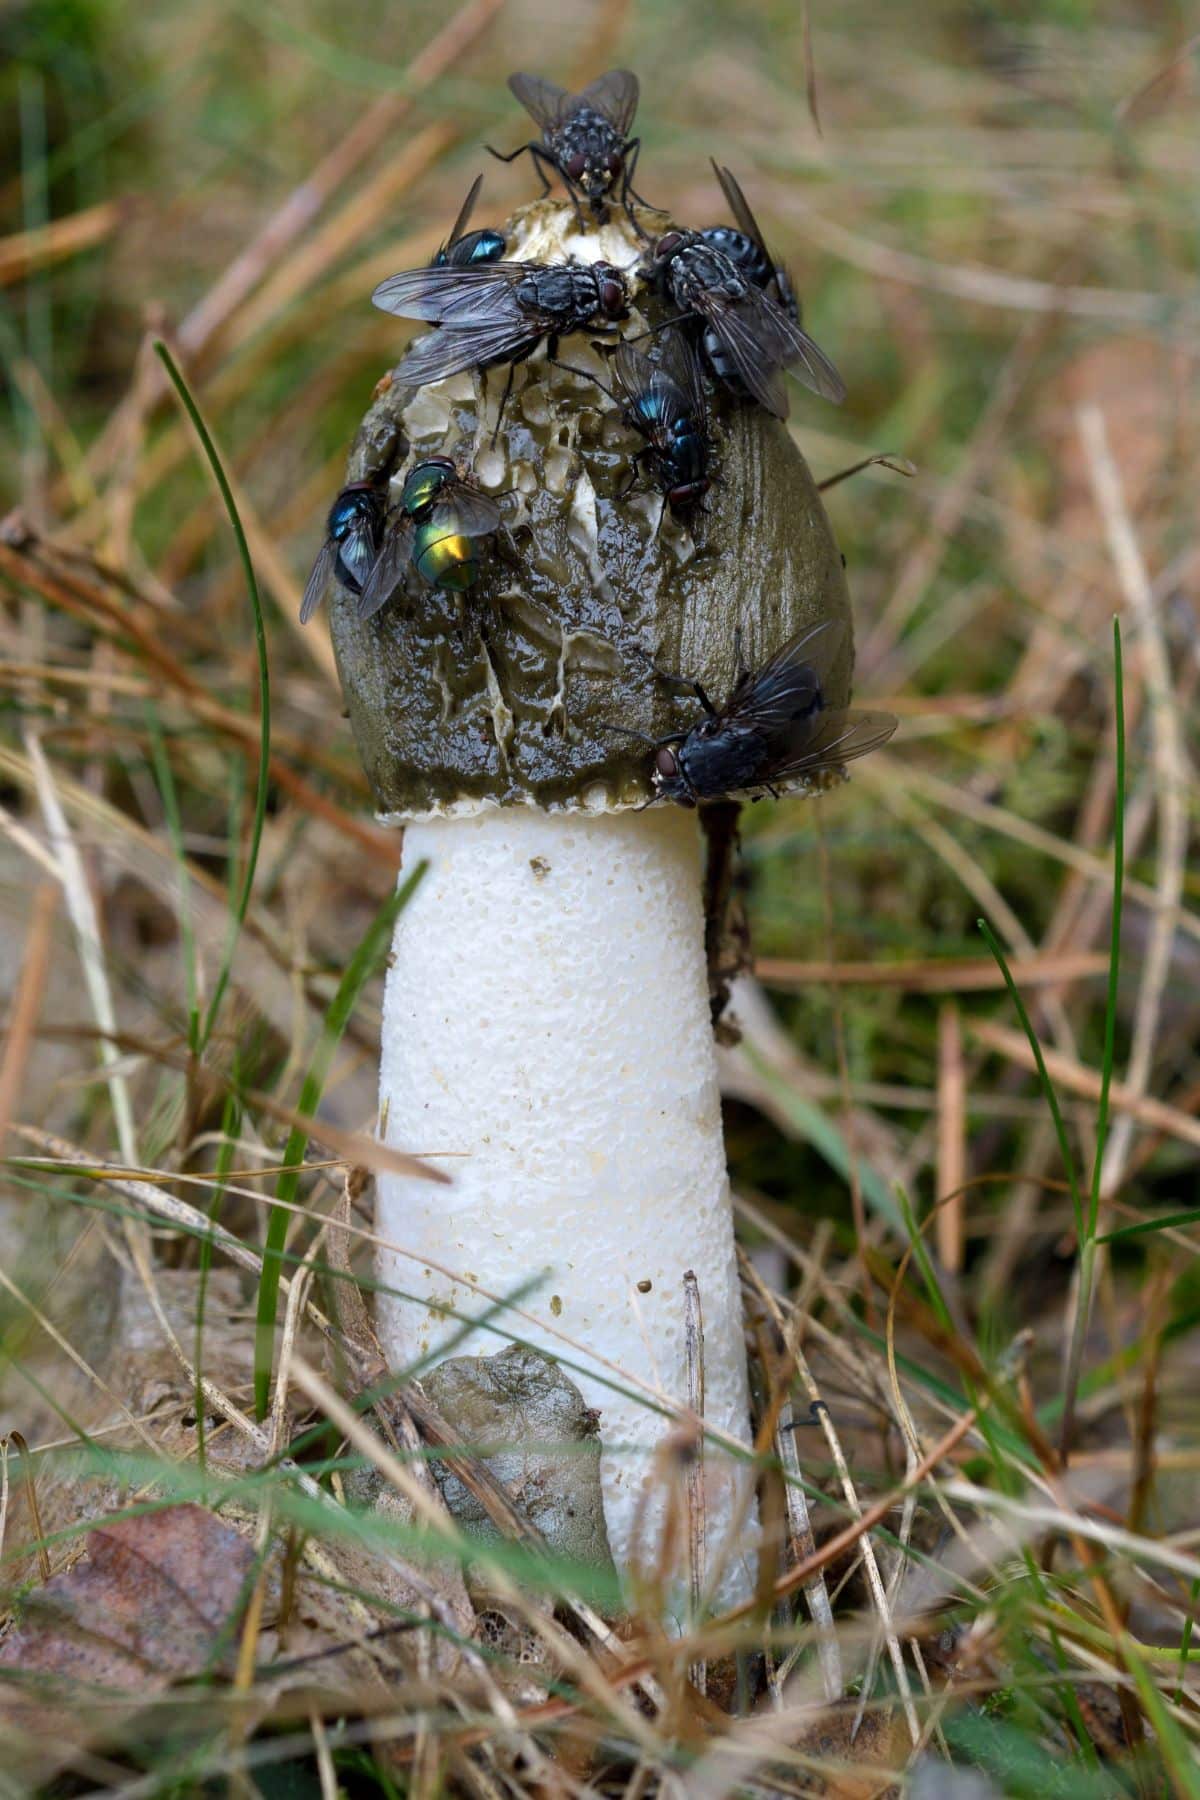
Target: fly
746 247
499 313
774 727
352 535
748 336
664 403
466 249
585 137
437 527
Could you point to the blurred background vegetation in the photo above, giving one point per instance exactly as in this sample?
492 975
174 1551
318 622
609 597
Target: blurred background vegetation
991 212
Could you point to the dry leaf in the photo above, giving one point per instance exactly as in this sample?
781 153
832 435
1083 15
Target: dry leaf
154 1599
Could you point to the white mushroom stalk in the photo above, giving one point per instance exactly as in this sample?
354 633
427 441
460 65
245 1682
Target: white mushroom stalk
547 1024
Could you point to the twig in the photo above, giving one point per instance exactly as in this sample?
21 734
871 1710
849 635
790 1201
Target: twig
82 910
951 1140
31 1500
1171 778
693 1338
934 975
802 1544
1086 1082
27 1001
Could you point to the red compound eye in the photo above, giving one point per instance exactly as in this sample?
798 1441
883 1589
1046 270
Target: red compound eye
576 166
612 298
667 763
615 162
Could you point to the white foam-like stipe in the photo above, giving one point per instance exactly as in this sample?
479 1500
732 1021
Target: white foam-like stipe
547 1020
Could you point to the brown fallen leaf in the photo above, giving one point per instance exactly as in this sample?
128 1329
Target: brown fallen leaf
154 1599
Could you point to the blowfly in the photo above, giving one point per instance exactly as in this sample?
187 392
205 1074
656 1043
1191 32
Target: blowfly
774 727
499 313
748 335
352 536
467 249
585 137
438 525
664 403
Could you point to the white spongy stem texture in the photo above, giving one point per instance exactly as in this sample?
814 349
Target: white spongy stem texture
546 1028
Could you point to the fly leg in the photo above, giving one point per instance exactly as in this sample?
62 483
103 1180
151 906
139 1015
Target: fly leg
643 737
503 403
684 318
508 387
628 191
537 154
584 375
635 471
684 681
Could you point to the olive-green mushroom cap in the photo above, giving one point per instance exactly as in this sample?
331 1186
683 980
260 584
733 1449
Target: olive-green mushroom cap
509 694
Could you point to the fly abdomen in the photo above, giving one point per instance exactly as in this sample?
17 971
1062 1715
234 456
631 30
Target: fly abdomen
469 252
689 460
355 520
721 363
445 556
742 251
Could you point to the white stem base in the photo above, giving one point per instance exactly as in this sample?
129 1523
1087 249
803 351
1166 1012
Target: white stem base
546 1020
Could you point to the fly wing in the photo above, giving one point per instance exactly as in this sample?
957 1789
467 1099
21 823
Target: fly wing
615 95
318 581
750 334
632 370
546 103
761 341
788 686
464 212
679 361
387 572
739 206
832 739
817 645
468 511
809 363
780 288
450 349
449 295
358 550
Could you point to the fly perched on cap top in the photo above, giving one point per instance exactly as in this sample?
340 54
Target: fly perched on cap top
585 137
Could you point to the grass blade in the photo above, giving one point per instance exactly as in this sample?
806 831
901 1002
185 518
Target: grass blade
1088 1250
362 965
264 681
1051 1097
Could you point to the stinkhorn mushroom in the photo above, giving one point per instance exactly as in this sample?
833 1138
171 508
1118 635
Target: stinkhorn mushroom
547 1020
